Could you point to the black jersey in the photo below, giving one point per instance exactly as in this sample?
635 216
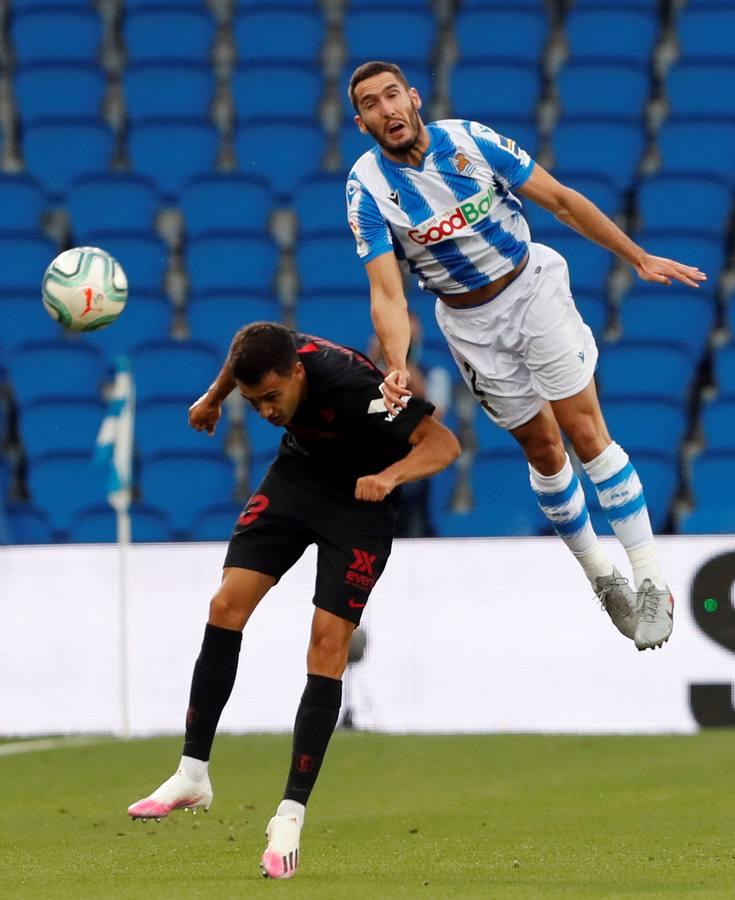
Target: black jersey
342 429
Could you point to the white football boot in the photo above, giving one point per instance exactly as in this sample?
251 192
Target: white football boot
180 791
619 601
281 857
655 616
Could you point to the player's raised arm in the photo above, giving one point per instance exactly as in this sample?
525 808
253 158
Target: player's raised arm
575 210
206 411
433 448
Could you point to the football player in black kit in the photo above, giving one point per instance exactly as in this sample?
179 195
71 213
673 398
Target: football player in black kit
333 483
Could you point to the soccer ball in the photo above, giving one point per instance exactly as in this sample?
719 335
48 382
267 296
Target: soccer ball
84 289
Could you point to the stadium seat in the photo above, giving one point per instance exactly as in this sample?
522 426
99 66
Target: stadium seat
646 426
700 87
89 147
724 368
216 523
184 484
707 252
56 368
150 144
320 204
501 477
226 202
62 484
631 370
367 37
24 260
592 88
690 144
147 317
6 476
157 34
35 34
711 480
330 265
421 304
111 202
98 525
344 319
484 90
687 202
518 35
172 368
352 145
27 524
708 520
59 424
490 437
168 91
143 256
418 75
608 32
266 146
231 263
491 520
22 203
214 318
262 437
293 91
706 32
589 264
276 32
599 146
24 320
163 425
592 306
683 319
717 426
597 188
69 89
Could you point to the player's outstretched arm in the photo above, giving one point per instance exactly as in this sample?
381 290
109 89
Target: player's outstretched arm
433 448
575 210
205 412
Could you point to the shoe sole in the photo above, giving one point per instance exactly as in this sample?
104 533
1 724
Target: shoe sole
187 805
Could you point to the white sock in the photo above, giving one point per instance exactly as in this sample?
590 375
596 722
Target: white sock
292 808
644 560
196 769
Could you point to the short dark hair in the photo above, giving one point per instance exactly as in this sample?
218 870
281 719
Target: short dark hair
367 70
260 348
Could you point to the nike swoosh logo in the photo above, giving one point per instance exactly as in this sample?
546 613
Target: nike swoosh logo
354 604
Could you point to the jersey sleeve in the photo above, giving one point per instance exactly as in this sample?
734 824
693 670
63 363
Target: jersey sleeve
502 154
370 229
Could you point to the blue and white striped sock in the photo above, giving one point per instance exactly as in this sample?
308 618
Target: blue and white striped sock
621 496
562 501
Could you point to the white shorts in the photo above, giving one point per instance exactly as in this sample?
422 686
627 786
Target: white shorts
525 346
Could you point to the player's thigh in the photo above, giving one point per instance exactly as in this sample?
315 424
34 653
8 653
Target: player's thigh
239 593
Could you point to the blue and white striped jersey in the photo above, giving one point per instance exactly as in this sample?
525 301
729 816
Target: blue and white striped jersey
452 221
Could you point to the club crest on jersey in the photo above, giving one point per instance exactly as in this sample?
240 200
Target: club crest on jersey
462 165
446 224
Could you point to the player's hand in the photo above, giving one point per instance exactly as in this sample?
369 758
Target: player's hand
374 488
395 390
204 414
662 270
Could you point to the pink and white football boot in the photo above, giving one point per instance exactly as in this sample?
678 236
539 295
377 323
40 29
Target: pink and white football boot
281 857
180 791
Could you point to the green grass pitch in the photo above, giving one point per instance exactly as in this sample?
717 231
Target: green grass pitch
392 816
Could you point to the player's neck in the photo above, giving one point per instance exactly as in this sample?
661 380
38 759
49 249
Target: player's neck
414 156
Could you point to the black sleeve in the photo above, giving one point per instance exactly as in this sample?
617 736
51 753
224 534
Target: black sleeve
363 406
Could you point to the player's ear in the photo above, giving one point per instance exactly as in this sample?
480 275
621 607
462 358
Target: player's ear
415 98
360 124
298 370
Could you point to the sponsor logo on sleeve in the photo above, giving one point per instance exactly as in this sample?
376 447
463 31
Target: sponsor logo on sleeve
362 247
449 223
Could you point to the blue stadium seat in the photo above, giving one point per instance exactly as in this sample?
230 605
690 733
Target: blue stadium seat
163 425
22 203
656 315
56 368
278 32
64 483
214 318
484 90
646 426
35 35
488 519
514 34
24 260
184 484
724 367
266 146
233 263
700 87
98 525
293 91
708 520
27 524
501 477
147 317
589 264
588 87
61 89
89 148
502 5
592 306
692 144
711 480
168 91
409 38
417 73
6 477
196 143
216 523
173 368
320 204
352 144
143 256
597 188
112 202
490 437
160 33
421 304
262 437
330 265
706 31
698 203
24 320
601 32
163 4
599 146
631 370
717 426
226 202
60 424
344 319
707 252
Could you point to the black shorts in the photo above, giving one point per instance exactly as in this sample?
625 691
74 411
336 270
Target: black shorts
354 539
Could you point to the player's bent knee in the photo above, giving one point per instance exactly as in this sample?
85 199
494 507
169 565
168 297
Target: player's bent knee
547 457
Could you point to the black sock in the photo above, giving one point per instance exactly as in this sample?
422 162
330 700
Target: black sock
211 686
315 721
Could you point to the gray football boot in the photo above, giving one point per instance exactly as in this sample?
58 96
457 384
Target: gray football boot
655 616
619 601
